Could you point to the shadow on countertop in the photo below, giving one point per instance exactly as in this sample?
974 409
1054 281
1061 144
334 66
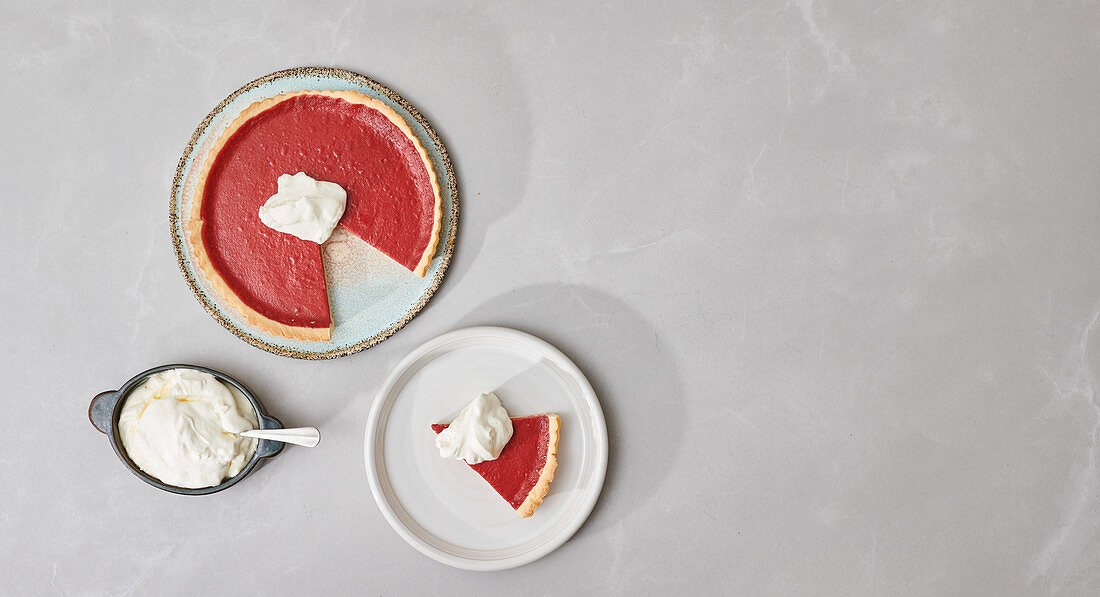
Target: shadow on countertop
624 359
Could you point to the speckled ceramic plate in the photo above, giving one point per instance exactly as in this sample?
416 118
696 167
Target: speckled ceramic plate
370 296
440 506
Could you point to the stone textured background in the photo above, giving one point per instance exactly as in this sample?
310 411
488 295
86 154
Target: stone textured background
831 267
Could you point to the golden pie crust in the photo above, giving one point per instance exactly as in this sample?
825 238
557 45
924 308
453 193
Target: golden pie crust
542 487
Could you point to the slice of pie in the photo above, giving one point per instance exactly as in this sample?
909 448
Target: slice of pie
524 469
277 281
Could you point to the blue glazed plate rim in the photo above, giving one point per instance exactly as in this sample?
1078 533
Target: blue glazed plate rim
313 78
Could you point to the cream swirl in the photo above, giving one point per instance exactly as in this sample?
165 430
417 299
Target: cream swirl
478 433
307 208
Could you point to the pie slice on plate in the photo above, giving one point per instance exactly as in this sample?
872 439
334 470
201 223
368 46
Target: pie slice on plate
277 281
524 469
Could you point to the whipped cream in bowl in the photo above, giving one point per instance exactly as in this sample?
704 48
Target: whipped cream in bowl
176 427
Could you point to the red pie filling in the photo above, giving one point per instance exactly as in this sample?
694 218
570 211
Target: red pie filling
391 202
520 464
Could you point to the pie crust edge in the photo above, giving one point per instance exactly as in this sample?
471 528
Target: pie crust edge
195 223
542 487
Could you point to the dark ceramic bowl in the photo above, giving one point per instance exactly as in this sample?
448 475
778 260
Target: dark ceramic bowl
106 407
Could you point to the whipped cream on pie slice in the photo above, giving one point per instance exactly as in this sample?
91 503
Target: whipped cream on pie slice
478 433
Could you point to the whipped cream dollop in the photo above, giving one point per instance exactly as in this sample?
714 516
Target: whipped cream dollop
304 207
181 427
478 433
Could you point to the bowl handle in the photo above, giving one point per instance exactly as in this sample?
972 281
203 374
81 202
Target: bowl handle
102 410
267 447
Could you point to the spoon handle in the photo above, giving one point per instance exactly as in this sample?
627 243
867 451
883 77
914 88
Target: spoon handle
301 436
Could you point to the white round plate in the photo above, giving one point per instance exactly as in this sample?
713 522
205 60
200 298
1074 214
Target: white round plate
441 506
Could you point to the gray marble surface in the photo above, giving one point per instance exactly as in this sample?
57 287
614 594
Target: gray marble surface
831 268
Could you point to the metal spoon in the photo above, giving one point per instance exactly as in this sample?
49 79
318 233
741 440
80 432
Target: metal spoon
300 436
